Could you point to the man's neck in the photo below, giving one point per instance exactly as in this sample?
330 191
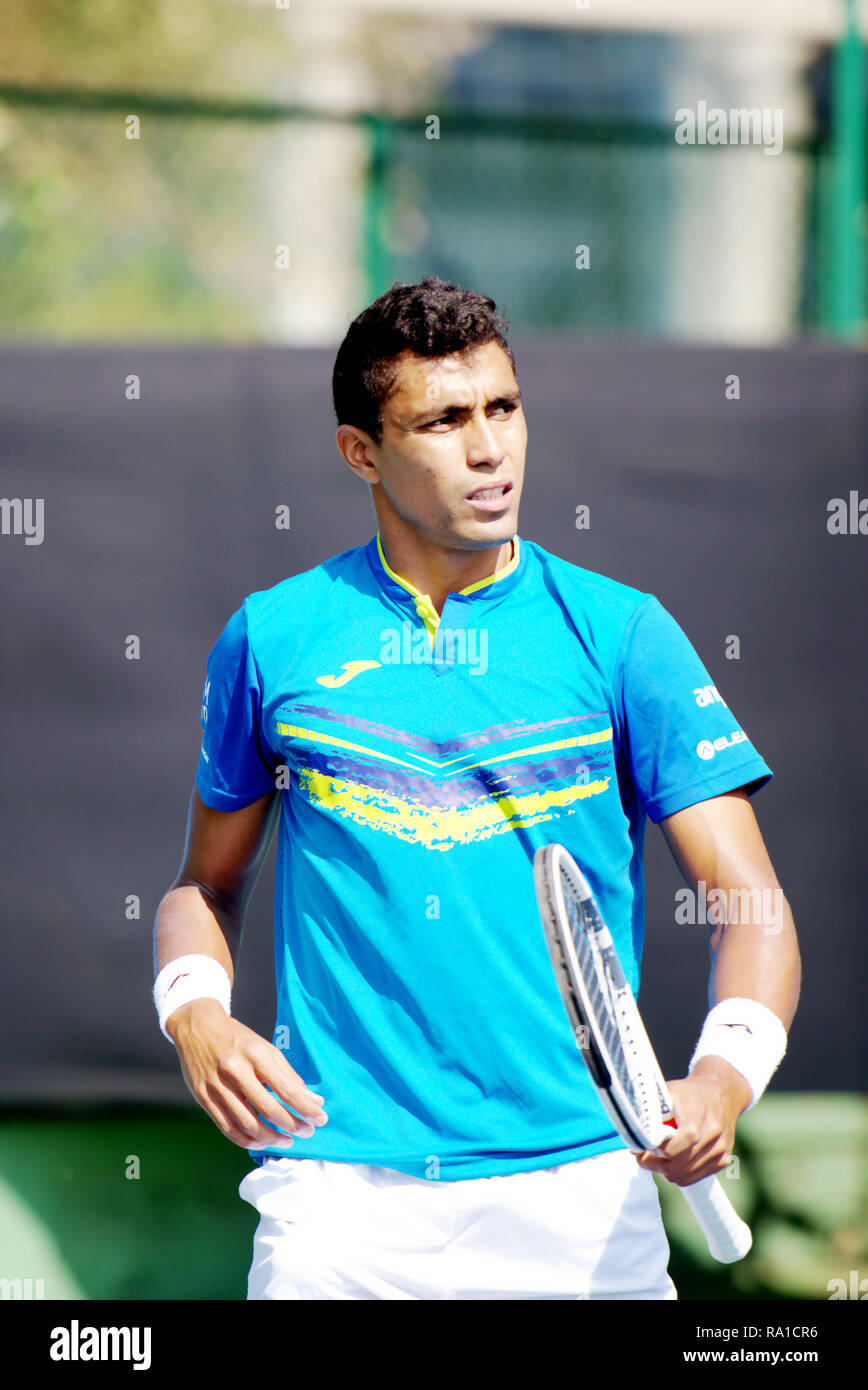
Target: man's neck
439 572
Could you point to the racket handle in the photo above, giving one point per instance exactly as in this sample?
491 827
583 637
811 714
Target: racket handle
729 1239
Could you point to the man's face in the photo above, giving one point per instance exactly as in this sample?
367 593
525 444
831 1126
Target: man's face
451 459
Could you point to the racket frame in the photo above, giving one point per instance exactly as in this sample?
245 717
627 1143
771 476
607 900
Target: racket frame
728 1237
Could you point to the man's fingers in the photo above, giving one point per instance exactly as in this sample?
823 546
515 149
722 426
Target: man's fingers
672 1160
705 1170
224 1122
238 1074
238 1049
237 1112
678 1141
273 1070
228 1068
691 1165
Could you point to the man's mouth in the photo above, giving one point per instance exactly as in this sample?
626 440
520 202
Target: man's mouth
490 494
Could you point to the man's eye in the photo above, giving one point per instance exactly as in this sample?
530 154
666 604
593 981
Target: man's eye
508 406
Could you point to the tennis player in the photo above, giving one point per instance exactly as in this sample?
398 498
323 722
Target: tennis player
420 712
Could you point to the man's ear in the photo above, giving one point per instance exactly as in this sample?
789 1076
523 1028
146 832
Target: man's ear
358 451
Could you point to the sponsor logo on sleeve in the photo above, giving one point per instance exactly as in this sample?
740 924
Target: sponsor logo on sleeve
707 747
708 695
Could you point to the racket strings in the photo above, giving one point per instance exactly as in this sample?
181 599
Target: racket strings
611 1008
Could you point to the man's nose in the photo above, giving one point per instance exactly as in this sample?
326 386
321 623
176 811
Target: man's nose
482 446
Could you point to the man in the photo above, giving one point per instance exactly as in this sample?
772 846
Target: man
424 711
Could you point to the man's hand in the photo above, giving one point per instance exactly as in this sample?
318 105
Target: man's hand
707 1105
227 1068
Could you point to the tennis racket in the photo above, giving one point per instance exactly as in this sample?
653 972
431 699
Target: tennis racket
612 1039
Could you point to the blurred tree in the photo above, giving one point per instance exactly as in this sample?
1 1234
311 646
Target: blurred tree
174 234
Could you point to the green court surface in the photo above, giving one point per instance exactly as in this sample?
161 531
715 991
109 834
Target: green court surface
143 1204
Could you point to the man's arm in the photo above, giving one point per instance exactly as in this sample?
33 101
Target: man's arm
225 1064
719 842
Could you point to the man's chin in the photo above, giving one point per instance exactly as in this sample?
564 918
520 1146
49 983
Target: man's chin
495 531
476 537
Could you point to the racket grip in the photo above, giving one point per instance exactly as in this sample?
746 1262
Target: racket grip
729 1239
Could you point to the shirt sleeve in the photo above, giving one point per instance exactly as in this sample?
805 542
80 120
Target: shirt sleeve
234 768
682 742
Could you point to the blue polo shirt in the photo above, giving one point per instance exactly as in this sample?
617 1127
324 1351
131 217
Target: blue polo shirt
421 761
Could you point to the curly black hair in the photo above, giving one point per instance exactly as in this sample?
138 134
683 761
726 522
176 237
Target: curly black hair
431 318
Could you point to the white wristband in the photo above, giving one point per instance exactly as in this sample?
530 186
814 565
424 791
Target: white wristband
187 978
748 1036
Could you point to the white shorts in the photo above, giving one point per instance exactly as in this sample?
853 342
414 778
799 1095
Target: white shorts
589 1229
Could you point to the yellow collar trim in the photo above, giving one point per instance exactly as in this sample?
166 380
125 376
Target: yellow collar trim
498 574
424 607
490 579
